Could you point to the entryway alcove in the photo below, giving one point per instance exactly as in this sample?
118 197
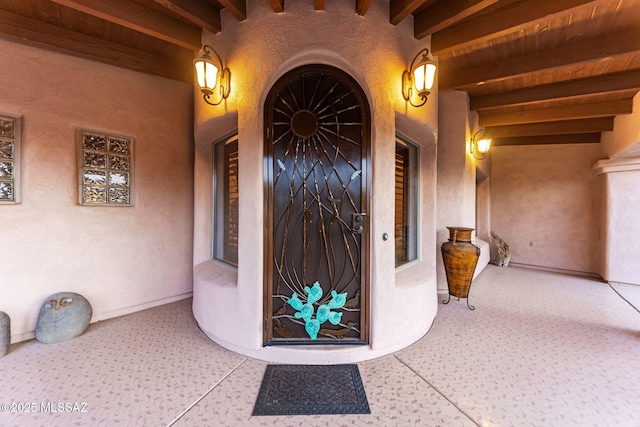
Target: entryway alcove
316 172
309 202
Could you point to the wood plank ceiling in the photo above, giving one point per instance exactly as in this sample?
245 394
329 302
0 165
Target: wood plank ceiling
536 71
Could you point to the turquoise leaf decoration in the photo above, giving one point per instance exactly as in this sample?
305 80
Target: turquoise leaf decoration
312 327
295 302
334 318
323 313
337 300
314 293
306 311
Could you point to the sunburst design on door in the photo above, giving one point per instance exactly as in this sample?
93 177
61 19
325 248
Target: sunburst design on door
318 173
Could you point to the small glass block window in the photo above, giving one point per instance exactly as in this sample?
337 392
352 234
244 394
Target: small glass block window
9 160
105 165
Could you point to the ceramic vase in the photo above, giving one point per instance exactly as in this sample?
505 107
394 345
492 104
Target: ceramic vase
460 258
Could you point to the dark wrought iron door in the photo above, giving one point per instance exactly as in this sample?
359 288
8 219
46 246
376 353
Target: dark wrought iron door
317 227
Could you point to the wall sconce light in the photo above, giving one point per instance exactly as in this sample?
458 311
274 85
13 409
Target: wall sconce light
211 75
420 77
480 144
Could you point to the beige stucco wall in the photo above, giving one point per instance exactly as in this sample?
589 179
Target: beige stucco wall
545 204
456 201
619 177
122 259
228 304
621 247
483 206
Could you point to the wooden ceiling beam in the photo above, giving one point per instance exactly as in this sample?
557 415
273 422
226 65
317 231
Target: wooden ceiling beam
318 4
601 124
277 5
579 138
238 8
570 54
611 82
199 12
567 112
362 6
504 20
400 9
133 15
40 34
443 14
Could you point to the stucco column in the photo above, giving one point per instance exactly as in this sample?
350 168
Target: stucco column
456 171
621 223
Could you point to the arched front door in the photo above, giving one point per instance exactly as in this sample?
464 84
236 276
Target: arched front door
317 176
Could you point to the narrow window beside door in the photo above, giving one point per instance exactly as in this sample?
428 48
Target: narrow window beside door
225 166
406 207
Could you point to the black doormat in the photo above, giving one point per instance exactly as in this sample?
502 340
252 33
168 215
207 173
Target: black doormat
311 390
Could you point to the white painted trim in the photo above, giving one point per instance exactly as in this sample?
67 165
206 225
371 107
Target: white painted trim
484 258
617 165
112 314
135 308
23 337
595 276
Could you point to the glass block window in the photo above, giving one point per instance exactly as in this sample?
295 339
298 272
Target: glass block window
105 165
406 202
9 160
225 184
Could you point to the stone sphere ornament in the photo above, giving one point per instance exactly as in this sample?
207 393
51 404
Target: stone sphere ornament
5 333
63 316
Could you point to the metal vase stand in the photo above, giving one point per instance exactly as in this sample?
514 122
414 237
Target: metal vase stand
460 258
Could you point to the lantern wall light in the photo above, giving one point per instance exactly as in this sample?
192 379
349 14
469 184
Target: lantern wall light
480 144
212 77
419 78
